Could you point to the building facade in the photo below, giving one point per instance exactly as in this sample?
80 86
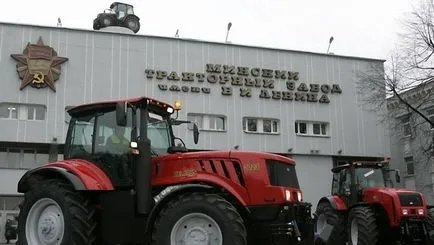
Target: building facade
298 104
412 139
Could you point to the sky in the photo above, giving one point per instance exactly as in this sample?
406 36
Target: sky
363 28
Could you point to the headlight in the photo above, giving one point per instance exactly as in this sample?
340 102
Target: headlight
404 211
288 195
420 211
170 110
299 196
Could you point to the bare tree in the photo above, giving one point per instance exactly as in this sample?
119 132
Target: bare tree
407 78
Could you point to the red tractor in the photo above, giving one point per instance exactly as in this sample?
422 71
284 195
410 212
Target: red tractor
125 180
364 210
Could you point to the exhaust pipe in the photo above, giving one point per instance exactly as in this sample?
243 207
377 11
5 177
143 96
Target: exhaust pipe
143 169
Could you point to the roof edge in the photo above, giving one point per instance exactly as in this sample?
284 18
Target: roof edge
197 40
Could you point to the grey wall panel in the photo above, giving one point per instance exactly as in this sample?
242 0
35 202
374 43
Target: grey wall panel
10 178
107 66
315 177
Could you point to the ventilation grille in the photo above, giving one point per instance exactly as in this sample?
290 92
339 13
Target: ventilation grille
225 168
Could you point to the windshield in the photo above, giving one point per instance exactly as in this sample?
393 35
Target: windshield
113 139
369 177
158 133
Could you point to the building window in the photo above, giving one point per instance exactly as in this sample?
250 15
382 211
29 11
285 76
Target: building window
22 158
406 126
22 111
216 123
250 125
207 121
270 126
9 111
261 125
300 128
35 112
410 165
311 128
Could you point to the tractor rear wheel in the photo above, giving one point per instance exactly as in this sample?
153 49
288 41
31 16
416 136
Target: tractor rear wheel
199 219
53 213
327 214
132 23
362 226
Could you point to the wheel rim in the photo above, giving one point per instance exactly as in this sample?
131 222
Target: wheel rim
320 223
132 25
196 229
354 232
45 224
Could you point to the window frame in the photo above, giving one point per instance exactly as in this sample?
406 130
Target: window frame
406 123
207 122
35 108
409 161
21 112
323 127
10 107
260 125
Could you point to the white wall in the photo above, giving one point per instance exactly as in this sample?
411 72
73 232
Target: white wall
315 177
8 181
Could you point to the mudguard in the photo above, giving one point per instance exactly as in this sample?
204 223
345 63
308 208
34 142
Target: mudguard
335 201
81 174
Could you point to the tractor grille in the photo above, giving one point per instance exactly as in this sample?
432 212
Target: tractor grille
410 199
282 174
226 168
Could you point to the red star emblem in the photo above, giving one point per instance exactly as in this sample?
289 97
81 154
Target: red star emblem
38 65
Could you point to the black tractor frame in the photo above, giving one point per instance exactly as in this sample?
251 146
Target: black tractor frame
119 14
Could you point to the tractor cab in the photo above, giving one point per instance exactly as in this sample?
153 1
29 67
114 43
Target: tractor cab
121 9
351 179
110 134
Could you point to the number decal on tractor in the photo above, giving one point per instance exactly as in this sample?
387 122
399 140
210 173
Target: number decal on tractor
185 173
251 167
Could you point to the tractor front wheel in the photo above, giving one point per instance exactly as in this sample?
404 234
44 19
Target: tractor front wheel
53 213
199 219
328 215
362 226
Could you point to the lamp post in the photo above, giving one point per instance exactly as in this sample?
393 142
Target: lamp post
227 33
330 42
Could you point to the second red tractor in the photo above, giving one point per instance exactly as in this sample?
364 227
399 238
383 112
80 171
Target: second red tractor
364 210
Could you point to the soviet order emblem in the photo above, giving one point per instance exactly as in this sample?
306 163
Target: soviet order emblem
38 65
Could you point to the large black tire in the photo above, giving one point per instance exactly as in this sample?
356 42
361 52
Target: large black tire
69 213
362 221
336 219
132 23
223 215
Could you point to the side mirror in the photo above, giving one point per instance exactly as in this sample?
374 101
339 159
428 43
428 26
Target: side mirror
121 114
397 176
195 133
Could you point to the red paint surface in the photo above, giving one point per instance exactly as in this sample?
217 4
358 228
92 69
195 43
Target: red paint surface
389 200
92 177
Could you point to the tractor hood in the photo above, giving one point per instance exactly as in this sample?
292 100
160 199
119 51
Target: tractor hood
241 155
405 198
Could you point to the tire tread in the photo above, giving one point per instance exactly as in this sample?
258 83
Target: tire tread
82 212
212 199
